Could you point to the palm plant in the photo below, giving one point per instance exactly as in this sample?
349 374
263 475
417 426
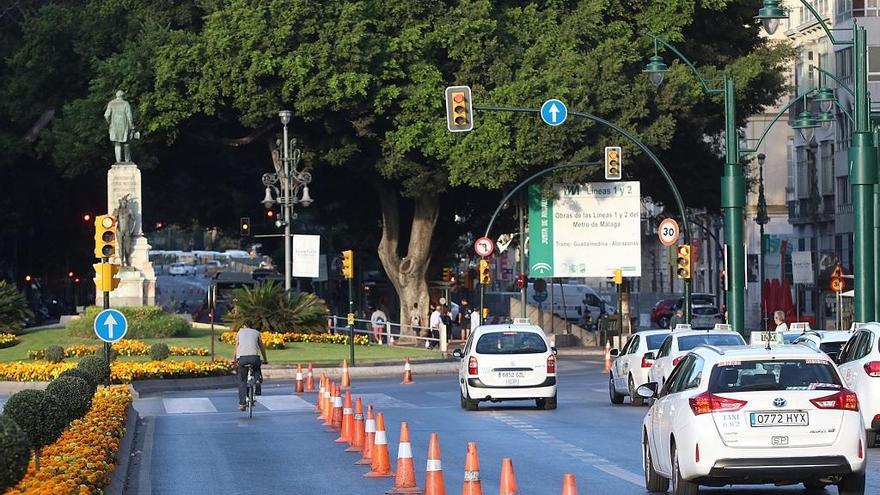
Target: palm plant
13 309
266 308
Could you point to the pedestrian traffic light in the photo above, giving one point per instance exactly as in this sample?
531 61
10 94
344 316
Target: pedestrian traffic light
348 264
618 276
105 276
485 272
244 226
459 109
612 163
105 236
684 261
521 281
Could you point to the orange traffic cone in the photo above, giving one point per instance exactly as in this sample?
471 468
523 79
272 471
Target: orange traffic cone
607 357
434 483
319 401
407 373
472 485
336 422
369 436
358 432
299 379
381 465
405 480
328 404
568 485
346 379
508 480
347 420
310 380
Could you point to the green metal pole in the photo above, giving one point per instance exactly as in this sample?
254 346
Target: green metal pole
733 194
862 176
522 254
876 221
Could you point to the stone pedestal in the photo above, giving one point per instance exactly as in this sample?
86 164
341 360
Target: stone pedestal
137 283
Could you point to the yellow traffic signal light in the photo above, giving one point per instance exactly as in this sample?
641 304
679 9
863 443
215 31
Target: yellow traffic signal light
618 276
105 276
683 261
485 272
348 263
244 226
105 236
613 163
459 109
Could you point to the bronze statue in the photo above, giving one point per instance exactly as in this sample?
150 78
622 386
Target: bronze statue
126 226
118 115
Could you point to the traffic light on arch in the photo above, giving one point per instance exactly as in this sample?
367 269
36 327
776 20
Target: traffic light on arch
459 109
684 262
613 163
105 236
244 226
348 264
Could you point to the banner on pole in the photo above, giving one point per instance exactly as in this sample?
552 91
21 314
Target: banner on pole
306 255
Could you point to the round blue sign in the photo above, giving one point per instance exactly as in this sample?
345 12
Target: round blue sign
539 296
110 325
554 112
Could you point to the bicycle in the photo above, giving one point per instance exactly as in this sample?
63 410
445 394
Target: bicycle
251 388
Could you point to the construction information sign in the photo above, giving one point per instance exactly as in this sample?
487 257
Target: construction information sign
585 230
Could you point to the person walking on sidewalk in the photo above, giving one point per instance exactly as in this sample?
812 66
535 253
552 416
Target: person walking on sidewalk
464 318
378 319
248 349
415 320
434 323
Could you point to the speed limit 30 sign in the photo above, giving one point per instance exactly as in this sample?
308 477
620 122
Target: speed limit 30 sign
668 232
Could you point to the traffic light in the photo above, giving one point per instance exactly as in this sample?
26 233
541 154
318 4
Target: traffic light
459 109
105 276
270 214
612 163
521 281
348 263
105 236
618 276
684 261
244 226
485 272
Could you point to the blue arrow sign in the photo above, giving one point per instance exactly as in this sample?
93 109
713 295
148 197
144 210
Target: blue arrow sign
110 325
554 112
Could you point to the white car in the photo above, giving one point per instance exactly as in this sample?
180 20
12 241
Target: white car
631 365
859 364
679 342
749 415
705 317
828 341
178 269
507 362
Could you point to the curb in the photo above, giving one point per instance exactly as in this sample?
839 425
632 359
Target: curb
141 387
376 371
9 388
123 455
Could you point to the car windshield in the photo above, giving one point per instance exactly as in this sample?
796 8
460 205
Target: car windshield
705 311
655 341
767 375
788 338
511 342
831 347
688 342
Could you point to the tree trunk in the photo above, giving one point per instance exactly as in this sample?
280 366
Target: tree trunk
407 271
37 458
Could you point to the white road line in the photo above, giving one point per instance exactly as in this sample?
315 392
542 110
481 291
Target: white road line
620 473
383 400
284 403
189 405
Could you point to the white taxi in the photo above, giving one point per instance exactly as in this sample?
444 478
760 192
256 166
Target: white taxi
507 362
631 365
679 342
859 364
751 415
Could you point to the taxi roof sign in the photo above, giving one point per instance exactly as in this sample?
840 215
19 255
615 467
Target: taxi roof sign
722 326
521 321
803 326
682 326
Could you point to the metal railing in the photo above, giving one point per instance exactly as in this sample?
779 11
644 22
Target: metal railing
405 334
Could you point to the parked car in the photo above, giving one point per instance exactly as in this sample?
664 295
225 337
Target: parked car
662 312
828 341
705 317
677 345
631 365
859 364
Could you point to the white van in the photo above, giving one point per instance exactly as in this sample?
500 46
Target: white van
577 297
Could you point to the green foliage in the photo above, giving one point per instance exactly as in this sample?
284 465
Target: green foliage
87 377
113 353
96 367
15 453
54 353
13 309
40 414
159 352
74 393
148 322
265 308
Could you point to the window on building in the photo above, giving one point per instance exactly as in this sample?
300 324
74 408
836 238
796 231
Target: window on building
843 62
843 192
826 167
874 63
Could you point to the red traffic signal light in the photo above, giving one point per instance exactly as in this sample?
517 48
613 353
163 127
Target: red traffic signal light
521 281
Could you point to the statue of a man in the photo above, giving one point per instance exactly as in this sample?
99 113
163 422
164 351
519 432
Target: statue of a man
118 115
125 228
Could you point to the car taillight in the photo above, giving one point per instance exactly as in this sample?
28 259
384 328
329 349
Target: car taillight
709 403
472 365
676 361
861 450
873 368
551 364
647 363
697 453
844 400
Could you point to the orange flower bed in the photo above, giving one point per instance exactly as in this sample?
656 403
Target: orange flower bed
81 460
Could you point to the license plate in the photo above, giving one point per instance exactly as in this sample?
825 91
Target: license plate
779 441
779 418
511 377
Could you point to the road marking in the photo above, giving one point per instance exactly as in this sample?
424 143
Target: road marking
284 403
620 473
385 401
189 405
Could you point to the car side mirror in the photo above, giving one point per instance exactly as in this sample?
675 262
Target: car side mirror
650 355
555 352
647 391
614 352
457 353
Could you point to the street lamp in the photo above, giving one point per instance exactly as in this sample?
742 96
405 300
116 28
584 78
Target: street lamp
770 15
293 190
655 68
762 219
805 123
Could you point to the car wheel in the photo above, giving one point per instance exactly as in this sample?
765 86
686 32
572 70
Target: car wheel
653 482
681 486
462 401
615 397
548 403
870 438
814 486
468 403
663 322
634 398
852 484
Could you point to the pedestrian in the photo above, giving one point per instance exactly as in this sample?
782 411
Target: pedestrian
779 319
476 319
446 322
415 319
464 318
434 323
677 318
248 348
378 320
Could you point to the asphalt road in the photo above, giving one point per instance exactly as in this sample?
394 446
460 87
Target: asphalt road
196 442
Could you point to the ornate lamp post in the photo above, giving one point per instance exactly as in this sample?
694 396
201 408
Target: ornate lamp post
762 219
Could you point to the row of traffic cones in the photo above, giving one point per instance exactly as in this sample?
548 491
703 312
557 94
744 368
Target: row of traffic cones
306 383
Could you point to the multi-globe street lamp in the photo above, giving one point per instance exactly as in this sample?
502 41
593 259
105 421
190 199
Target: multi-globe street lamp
762 219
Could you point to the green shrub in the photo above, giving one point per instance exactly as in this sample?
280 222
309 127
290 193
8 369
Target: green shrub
54 353
13 309
96 367
40 415
87 377
148 322
15 453
265 308
159 352
73 393
113 353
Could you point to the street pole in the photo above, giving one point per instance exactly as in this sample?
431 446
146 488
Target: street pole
522 255
350 326
107 344
762 219
877 223
285 186
733 193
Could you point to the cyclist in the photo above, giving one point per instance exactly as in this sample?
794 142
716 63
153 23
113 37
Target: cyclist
248 348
